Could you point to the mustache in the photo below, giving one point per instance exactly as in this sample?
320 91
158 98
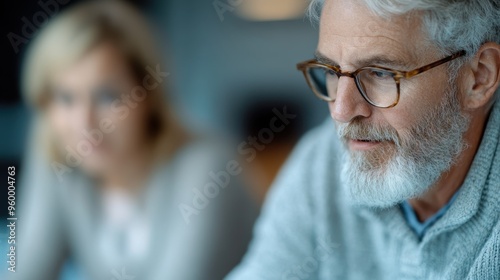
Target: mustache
358 129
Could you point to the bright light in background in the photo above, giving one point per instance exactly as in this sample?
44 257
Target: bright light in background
271 10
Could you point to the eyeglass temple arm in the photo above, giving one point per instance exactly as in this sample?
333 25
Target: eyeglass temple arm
417 71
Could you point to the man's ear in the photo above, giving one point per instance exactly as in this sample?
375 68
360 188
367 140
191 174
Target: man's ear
483 76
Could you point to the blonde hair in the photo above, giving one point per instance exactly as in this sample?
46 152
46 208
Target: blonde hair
72 34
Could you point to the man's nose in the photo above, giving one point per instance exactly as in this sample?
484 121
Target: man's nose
348 103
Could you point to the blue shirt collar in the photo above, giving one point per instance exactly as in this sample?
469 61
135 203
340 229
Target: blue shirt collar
421 227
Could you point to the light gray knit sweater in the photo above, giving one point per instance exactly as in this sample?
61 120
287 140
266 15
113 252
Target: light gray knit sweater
308 231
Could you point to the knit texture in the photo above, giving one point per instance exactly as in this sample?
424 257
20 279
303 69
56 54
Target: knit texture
308 230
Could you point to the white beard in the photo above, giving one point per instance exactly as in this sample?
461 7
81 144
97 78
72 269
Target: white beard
411 165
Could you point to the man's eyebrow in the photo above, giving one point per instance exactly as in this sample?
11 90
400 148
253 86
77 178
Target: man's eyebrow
378 60
324 59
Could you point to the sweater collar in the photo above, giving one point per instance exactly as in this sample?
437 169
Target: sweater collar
478 188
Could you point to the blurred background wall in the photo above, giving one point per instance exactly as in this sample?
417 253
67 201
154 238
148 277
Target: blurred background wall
230 63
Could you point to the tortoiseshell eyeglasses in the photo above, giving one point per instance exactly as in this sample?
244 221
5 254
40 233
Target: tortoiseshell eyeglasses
379 86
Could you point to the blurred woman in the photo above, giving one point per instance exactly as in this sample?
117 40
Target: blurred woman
112 182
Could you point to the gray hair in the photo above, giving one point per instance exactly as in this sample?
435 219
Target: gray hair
451 25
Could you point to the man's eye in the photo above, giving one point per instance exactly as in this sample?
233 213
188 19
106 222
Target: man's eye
380 74
330 72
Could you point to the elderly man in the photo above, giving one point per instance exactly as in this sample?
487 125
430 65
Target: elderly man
406 184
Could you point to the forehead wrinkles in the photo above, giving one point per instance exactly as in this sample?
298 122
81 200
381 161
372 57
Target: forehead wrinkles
349 30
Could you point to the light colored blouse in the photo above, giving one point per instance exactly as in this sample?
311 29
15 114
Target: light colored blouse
147 236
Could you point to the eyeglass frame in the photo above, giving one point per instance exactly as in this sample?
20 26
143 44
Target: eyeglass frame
397 75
